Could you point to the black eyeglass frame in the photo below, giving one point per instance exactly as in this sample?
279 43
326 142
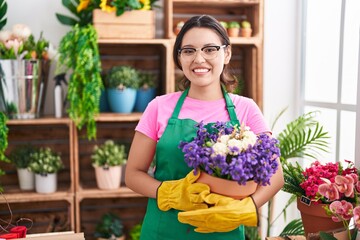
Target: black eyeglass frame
202 49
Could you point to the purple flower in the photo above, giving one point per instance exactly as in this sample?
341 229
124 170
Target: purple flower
256 162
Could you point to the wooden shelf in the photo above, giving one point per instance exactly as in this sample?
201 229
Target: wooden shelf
37 197
97 193
117 117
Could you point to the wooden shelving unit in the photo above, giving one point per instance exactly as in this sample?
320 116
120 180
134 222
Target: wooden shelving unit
78 204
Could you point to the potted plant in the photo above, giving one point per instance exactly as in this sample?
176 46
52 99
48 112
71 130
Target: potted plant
146 91
135 232
123 82
45 163
109 228
245 30
233 29
20 157
107 159
79 52
224 24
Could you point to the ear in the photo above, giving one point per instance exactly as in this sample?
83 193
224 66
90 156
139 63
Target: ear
227 55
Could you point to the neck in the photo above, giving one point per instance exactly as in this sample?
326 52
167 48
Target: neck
209 93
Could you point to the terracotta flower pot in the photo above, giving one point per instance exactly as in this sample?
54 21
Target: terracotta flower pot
227 187
233 32
315 219
245 32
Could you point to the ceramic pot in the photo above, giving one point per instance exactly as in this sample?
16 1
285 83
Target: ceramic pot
143 97
108 178
315 219
121 101
46 183
227 187
26 179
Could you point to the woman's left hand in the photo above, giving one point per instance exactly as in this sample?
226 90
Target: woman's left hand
226 215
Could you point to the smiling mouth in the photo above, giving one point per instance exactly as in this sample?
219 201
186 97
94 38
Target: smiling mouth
201 70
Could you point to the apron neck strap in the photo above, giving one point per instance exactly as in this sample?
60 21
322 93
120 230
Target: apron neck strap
229 104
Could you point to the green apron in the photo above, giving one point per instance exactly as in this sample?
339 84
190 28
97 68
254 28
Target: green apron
170 165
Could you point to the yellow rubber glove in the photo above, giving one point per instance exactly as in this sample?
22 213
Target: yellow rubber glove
226 215
183 194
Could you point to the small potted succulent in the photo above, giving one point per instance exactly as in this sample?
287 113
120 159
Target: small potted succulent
108 159
45 163
224 24
20 157
122 84
146 91
233 29
110 228
245 30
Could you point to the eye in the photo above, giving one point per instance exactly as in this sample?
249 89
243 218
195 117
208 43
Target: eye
210 49
188 51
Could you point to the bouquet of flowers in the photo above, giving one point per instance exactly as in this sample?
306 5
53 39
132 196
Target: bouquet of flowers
20 43
232 152
336 186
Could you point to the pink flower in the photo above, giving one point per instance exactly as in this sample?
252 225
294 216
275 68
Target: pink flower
342 210
329 191
356 213
345 184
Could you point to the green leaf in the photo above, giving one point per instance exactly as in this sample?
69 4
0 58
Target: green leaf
66 20
3 11
293 228
327 236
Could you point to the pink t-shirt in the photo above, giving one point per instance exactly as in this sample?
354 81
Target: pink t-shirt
155 117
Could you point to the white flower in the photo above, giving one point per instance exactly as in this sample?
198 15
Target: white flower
249 138
224 139
236 143
21 31
219 149
5 36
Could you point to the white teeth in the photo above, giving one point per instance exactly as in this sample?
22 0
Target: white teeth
201 70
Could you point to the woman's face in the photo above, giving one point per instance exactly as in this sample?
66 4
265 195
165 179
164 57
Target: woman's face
203 68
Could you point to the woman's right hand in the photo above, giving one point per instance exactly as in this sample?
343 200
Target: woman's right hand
183 194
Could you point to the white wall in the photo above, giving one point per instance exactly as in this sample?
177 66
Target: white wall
281 48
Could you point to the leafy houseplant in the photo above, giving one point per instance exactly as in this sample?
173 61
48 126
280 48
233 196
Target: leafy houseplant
146 91
110 227
135 232
107 159
123 77
83 9
45 163
123 82
20 157
79 51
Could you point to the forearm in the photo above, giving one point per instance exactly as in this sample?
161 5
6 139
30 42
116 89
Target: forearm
141 183
265 193
141 155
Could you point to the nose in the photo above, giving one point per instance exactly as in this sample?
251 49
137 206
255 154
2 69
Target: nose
199 57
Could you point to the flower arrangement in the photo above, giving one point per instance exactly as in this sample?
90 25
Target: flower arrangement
232 152
83 9
20 43
334 185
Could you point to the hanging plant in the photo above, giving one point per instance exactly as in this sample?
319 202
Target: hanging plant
3 140
79 52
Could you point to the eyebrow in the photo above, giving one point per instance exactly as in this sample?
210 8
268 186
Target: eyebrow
206 45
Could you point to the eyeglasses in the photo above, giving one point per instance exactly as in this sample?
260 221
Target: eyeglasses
207 52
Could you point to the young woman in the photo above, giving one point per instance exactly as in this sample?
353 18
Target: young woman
202 51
